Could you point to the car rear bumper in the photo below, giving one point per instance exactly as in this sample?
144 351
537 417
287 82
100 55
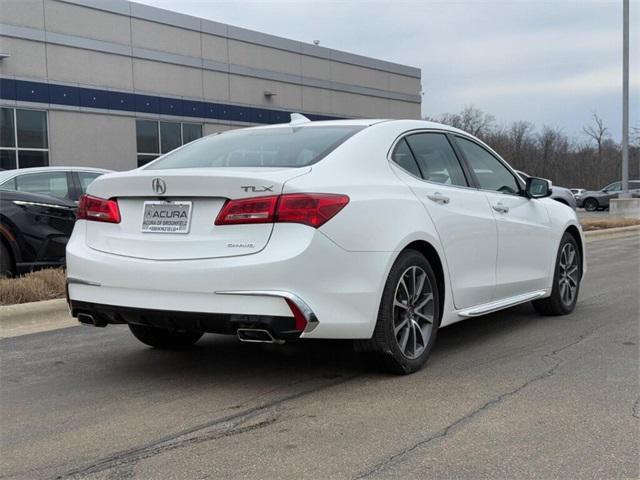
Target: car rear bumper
341 289
281 328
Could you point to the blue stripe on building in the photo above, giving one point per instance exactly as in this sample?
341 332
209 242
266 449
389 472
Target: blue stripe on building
54 94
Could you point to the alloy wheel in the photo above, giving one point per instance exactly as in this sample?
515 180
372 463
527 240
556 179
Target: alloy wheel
568 275
590 205
413 308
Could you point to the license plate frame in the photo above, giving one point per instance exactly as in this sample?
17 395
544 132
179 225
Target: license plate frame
170 224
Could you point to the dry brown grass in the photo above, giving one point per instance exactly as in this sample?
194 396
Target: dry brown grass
33 287
600 224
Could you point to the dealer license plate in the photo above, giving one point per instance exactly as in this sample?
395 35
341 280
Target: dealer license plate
166 217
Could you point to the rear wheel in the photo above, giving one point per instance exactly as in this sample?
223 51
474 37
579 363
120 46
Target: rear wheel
590 205
566 280
408 317
164 339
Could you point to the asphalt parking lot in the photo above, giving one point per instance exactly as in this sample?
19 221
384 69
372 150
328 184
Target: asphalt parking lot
510 395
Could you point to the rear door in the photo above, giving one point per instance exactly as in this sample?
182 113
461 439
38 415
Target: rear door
461 214
525 239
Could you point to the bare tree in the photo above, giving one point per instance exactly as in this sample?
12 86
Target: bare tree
597 131
470 119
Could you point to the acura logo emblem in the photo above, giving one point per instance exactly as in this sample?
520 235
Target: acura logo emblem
158 186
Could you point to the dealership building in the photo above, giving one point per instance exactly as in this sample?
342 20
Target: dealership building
114 84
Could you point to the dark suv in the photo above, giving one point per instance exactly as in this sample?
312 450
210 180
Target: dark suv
599 200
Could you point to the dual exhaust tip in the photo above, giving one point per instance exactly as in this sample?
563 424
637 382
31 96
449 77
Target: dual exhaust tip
249 335
256 335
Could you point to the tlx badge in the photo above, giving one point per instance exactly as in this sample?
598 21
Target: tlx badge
253 188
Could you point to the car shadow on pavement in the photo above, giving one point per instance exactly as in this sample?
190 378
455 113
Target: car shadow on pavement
218 356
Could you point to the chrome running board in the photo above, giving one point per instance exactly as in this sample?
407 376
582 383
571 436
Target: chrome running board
309 316
491 307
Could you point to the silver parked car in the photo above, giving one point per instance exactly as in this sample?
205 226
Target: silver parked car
559 194
599 200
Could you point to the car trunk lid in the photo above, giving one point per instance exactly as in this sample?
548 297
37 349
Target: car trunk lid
173 197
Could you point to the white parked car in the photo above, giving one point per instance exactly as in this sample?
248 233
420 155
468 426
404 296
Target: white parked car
381 231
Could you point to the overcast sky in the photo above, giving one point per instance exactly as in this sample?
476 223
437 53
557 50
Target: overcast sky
549 62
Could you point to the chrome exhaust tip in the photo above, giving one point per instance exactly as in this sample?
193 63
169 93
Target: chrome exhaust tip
89 319
256 335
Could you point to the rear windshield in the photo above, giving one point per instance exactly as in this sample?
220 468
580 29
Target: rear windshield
272 147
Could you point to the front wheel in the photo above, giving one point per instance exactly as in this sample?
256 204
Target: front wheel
591 205
164 339
408 316
566 280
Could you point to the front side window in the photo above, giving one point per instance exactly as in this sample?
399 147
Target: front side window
490 172
436 158
155 138
54 184
268 147
24 139
614 187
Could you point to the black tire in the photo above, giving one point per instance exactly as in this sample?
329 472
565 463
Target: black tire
6 262
383 350
591 204
164 339
557 303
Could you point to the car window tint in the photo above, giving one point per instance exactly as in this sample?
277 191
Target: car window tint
53 183
436 158
86 178
614 187
490 172
402 156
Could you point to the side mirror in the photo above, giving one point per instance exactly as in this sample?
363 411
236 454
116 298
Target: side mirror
538 187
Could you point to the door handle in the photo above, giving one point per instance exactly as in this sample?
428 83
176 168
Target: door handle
500 208
438 198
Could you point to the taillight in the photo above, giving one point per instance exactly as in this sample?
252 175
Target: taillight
248 210
98 209
313 209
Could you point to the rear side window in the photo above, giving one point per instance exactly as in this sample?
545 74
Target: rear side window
402 156
86 178
436 158
490 172
269 147
9 184
54 184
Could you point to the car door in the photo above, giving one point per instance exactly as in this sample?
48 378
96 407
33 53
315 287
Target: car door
525 240
611 191
463 220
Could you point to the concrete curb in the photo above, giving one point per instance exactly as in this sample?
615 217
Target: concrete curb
34 317
607 233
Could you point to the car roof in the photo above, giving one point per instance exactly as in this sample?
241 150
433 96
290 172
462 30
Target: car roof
366 122
7 174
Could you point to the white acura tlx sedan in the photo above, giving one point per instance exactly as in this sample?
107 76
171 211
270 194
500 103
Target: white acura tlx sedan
380 231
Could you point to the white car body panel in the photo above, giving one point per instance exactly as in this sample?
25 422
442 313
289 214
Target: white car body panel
489 260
